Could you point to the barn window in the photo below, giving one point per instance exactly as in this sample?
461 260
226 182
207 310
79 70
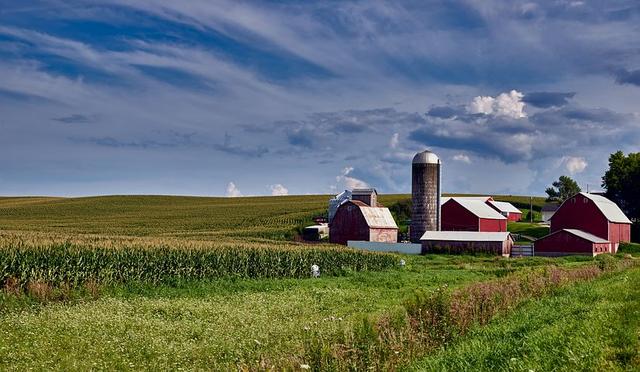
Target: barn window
585 201
573 200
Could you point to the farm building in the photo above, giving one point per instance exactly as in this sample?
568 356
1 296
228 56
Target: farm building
512 213
367 196
315 232
548 210
571 241
499 243
590 214
471 214
355 220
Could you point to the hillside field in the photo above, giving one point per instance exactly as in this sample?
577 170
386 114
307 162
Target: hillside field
159 282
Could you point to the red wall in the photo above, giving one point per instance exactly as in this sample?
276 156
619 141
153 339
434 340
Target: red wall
348 224
566 243
457 218
515 217
487 225
619 232
582 216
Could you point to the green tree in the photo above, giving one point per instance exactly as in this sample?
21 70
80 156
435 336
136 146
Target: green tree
622 182
564 188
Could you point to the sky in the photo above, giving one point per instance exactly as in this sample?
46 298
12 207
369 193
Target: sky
237 98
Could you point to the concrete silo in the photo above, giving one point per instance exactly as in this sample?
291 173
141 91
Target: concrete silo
425 193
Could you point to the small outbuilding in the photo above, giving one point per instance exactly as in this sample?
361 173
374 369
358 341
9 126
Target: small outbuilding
570 241
508 210
548 210
499 243
356 220
471 214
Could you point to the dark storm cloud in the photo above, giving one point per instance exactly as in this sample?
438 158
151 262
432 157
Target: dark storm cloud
445 112
631 77
75 119
548 99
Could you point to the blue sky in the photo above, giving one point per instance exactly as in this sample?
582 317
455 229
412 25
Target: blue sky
259 98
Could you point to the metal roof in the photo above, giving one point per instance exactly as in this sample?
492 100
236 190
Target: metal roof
368 191
504 206
550 207
426 157
611 211
445 199
466 236
585 235
376 217
479 208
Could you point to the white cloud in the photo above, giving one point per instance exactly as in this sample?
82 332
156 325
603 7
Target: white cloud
349 182
575 164
395 140
505 104
462 158
279 190
232 190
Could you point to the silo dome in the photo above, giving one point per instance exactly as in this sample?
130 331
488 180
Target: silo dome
426 157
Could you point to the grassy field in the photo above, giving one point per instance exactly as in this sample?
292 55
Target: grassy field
589 327
136 282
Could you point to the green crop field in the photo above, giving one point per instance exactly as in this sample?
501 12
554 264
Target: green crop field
158 282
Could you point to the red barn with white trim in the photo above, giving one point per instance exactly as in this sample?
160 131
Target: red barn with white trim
355 220
591 214
471 214
508 210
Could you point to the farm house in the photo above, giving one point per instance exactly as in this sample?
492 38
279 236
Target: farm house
356 220
508 210
499 243
471 214
591 215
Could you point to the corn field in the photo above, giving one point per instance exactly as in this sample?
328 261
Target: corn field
109 260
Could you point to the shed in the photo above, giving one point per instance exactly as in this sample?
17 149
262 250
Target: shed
508 210
548 210
466 214
499 243
355 220
593 214
368 196
570 241
315 232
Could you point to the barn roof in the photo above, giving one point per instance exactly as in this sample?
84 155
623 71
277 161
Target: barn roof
479 208
466 236
611 211
482 198
504 206
376 217
550 207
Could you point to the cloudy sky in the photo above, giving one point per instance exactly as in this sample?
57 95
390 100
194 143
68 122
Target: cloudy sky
238 98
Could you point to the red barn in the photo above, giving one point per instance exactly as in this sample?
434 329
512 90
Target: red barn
591 214
571 241
471 214
512 213
355 220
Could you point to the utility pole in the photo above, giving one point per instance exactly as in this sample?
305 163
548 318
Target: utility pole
531 209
